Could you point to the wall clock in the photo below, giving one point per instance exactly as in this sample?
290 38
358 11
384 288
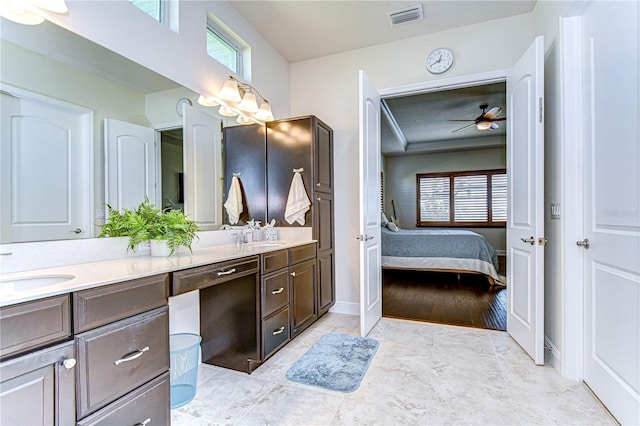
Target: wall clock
439 60
180 105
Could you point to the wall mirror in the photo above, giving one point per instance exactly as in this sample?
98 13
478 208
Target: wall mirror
58 172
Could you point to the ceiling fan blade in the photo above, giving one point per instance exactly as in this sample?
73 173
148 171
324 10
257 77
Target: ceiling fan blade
493 112
464 127
461 120
499 119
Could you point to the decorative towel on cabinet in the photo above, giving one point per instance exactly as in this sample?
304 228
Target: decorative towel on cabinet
234 201
297 203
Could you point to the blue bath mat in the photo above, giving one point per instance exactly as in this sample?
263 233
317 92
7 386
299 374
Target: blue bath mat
337 362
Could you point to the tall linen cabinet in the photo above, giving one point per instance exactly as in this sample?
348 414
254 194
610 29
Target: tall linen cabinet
294 143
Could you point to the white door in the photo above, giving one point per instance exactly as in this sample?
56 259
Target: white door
612 205
202 168
46 184
130 164
525 223
370 267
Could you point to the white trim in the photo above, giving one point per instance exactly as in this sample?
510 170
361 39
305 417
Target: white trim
571 122
552 355
445 84
349 308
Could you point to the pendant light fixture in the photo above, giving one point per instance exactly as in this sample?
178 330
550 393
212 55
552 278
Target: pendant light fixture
241 99
29 12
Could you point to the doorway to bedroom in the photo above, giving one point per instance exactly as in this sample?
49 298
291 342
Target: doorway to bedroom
443 190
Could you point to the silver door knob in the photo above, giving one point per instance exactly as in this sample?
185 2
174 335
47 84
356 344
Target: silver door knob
529 240
584 243
69 363
77 231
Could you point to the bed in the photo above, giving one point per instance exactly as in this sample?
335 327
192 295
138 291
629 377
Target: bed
440 250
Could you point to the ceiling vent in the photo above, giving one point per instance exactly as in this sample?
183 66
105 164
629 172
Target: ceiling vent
403 16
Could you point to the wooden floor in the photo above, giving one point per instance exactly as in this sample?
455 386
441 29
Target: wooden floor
440 297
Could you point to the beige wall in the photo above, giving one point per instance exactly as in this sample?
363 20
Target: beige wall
400 182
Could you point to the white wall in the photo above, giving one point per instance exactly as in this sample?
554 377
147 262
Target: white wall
328 88
400 185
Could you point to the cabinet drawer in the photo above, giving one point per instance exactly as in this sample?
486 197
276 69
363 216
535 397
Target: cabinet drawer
206 276
302 253
34 324
275 332
274 261
117 358
149 402
275 291
103 305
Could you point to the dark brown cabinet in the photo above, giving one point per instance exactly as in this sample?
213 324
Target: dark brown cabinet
303 296
294 143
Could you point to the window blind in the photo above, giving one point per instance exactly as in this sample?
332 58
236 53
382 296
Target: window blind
499 198
470 198
435 193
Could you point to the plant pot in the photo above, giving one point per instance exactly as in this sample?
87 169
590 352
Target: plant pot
159 248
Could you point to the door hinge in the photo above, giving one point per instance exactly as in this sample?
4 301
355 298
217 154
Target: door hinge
542 241
540 109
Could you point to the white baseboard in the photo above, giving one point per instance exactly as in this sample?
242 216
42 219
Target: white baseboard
552 355
349 308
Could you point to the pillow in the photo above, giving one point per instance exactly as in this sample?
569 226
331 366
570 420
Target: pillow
393 227
383 219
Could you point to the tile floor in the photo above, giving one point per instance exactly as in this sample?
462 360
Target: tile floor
422 374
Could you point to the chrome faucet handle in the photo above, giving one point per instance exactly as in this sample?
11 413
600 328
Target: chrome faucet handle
236 237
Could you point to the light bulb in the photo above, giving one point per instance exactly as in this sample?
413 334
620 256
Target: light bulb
226 111
249 103
483 125
207 101
243 120
17 12
264 112
229 91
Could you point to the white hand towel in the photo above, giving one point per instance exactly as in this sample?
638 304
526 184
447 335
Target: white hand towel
297 203
234 201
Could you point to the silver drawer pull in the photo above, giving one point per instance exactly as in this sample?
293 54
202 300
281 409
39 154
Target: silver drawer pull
131 356
278 331
144 423
278 291
229 272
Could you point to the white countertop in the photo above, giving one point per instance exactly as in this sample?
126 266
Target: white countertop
95 274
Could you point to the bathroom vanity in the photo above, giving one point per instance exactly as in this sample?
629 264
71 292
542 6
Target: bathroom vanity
95 349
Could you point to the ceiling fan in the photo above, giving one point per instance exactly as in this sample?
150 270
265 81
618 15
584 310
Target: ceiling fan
486 120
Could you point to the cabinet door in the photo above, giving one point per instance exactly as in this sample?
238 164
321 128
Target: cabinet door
245 154
326 287
323 158
323 221
289 147
303 296
37 389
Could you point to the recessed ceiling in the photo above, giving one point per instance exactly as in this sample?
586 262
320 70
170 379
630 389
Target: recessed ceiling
302 30
422 122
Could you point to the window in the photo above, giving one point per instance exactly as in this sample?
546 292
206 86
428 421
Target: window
152 8
222 47
476 198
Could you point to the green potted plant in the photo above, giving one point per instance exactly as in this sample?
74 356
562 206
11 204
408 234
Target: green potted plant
166 230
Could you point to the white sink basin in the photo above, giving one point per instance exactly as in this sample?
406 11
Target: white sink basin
18 285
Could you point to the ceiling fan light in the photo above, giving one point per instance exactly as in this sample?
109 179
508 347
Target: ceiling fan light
207 101
229 91
226 111
483 125
264 112
249 103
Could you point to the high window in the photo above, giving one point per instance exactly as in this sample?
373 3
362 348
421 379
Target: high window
477 198
153 8
222 47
